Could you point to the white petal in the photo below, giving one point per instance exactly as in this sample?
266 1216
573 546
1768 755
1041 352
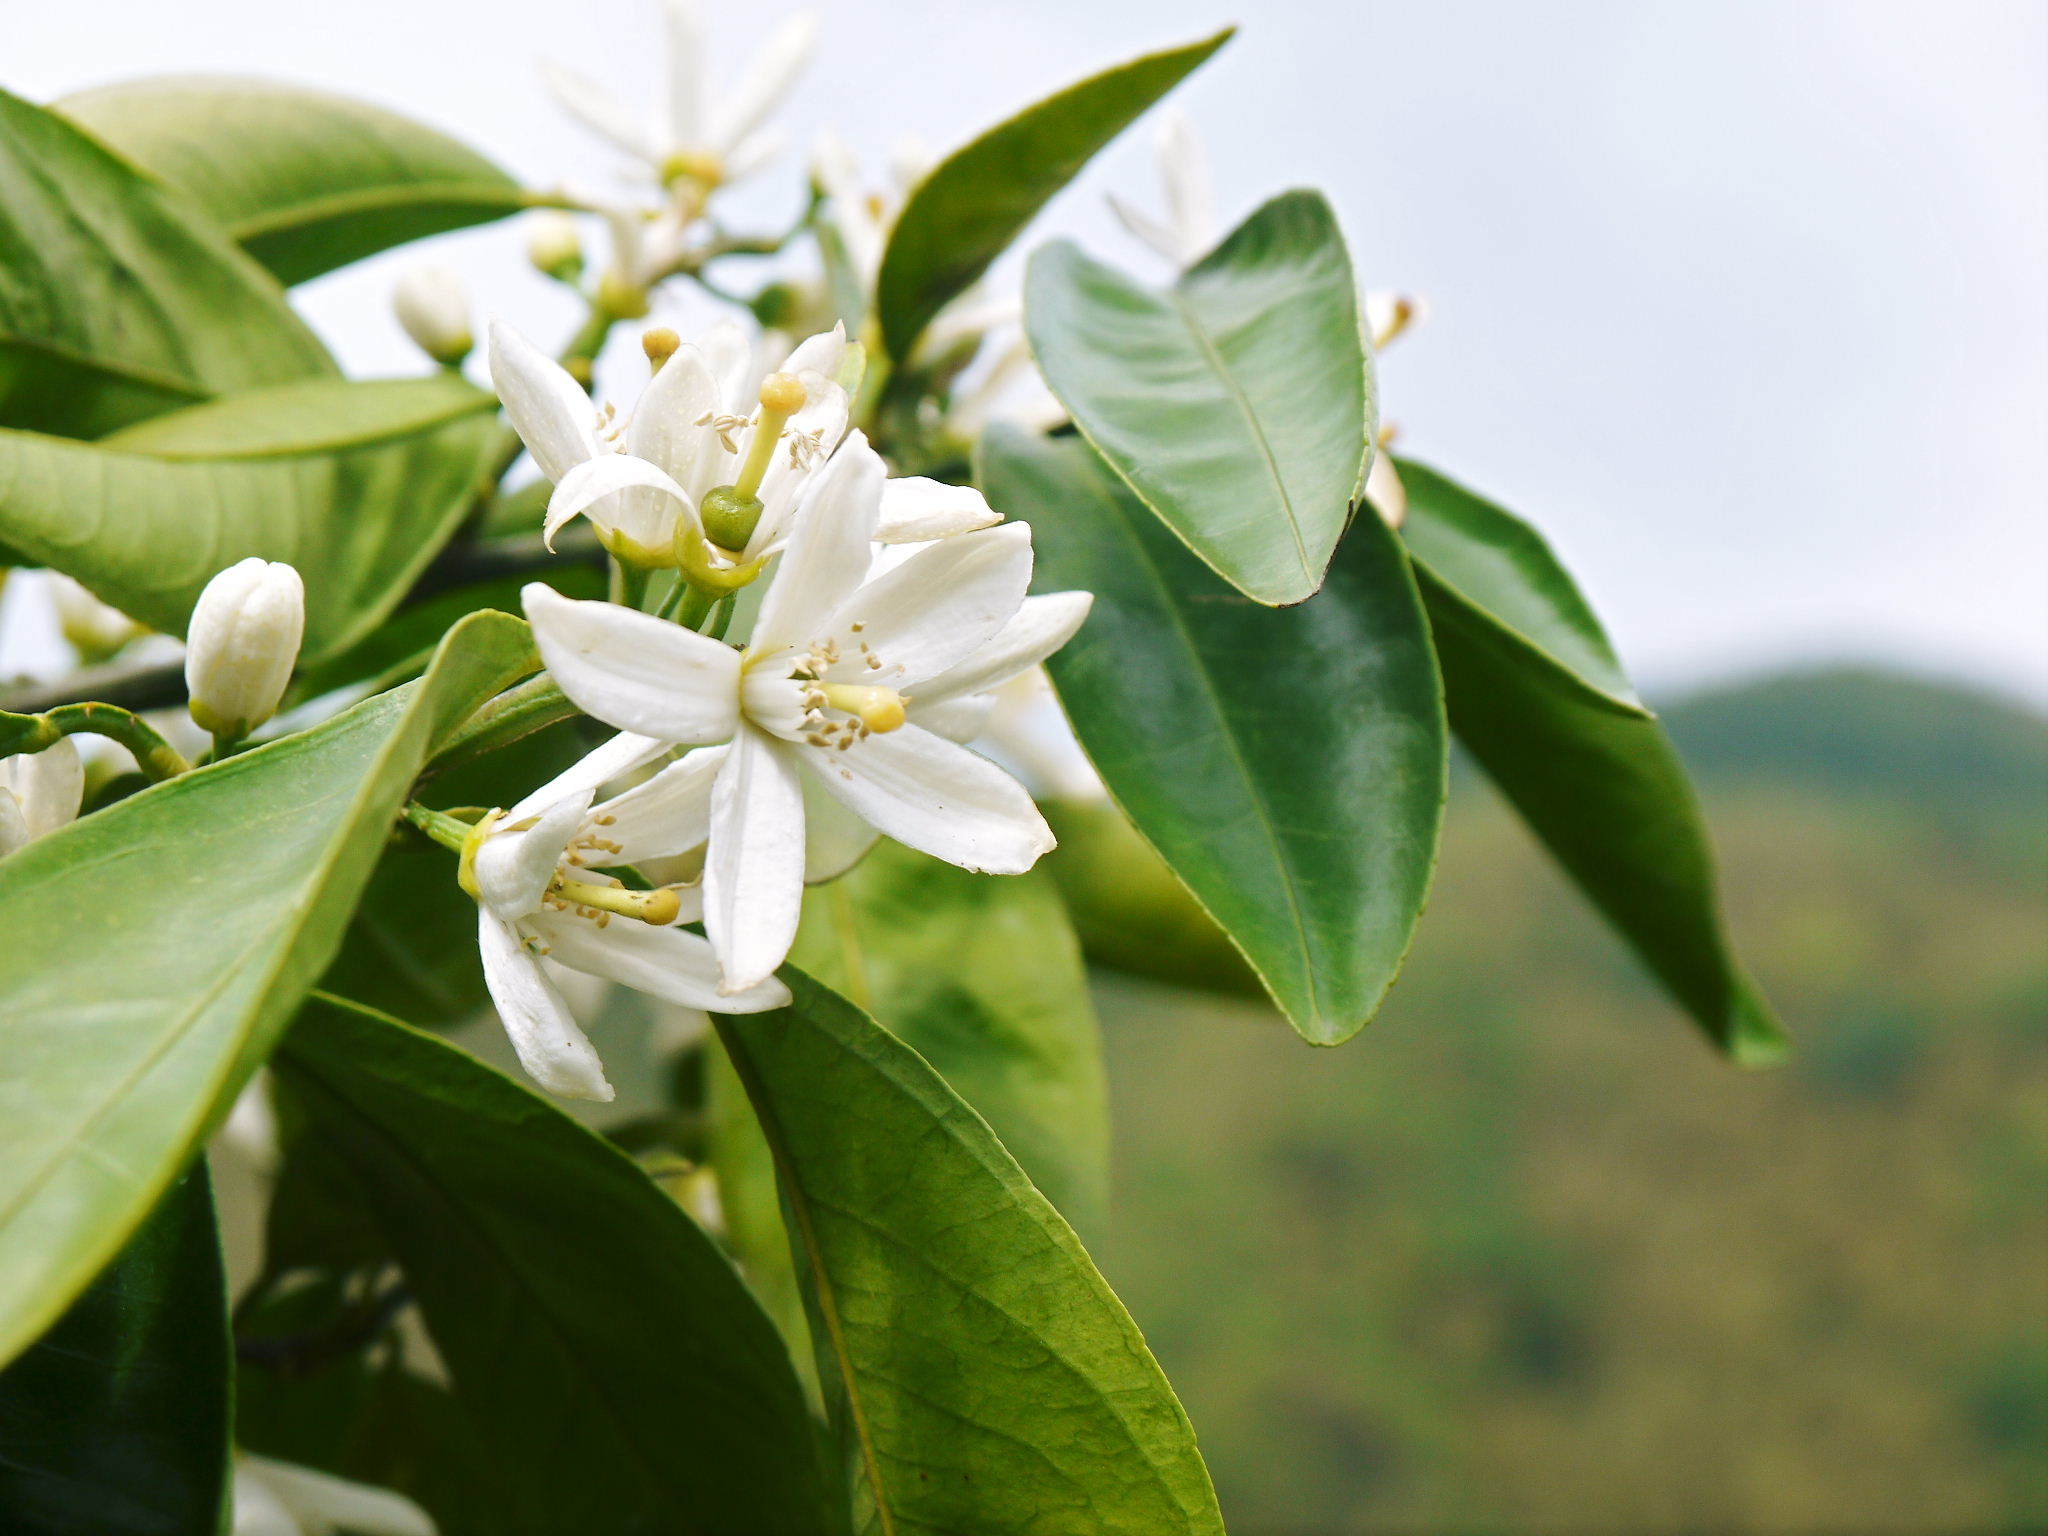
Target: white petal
915 510
621 494
48 786
753 152
665 428
590 773
1383 488
766 82
14 832
961 719
936 797
318 1501
687 60
1184 167
668 814
821 353
548 409
636 672
940 605
669 963
728 352
834 838
513 867
554 1052
590 104
1042 625
1147 230
823 420
828 549
754 872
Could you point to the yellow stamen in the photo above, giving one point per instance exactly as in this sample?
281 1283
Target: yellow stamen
782 396
659 908
879 709
660 345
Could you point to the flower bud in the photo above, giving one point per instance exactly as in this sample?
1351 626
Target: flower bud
433 306
90 627
241 645
555 246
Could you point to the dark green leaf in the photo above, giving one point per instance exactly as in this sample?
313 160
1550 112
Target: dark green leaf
356 484
988 1379
979 198
155 948
305 180
1288 764
622 1374
116 1422
983 978
1238 404
113 304
1535 695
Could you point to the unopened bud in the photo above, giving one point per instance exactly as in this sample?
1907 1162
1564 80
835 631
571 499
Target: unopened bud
660 345
782 393
90 627
433 306
555 246
621 298
242 644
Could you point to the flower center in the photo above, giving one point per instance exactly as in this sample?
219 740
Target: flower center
587 898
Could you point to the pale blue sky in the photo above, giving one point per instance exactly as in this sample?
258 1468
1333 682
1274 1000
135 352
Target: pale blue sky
1744 303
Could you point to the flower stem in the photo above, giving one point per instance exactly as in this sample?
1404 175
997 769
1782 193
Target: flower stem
450 832
157 758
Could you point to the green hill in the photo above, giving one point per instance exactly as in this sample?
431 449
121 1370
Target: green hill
1525 1257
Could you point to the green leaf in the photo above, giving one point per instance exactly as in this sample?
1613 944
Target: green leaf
356 484
117 1420
965 213
305 180
988 1379
1289 765
1239 404
624 1377
982 978
1536 696
113 304
154 950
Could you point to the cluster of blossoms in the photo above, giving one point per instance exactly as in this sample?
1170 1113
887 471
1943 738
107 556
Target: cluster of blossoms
893 610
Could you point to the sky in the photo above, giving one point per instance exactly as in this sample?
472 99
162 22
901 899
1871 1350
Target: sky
1745 304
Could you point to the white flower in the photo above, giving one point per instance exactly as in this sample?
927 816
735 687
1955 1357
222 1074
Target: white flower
432 306
242 643
39 792
859 215
279 1498
695 431
697 145
90 627
554 244
819 693
1188 228
536 874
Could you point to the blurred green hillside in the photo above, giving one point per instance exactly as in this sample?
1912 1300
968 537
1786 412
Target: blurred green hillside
1525 1257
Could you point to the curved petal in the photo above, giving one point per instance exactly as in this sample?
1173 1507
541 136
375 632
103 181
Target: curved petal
828 549
1184 170
915 509
754 871
636 672
669 963
668 428
688 57
590 773
548 409
728 351
822 426
934 609
554 1052
620 493
592 105
960 719
766 82
49 785
936 797
513 867
667 815
1043 624
820 353
834 838
14 832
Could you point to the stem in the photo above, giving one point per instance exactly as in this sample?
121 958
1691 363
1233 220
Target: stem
157 758
451 832
691 605
513 715
721 616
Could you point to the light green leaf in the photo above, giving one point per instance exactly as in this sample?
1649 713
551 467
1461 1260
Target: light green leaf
113 304
987 1378
307 181
155 949
982 977
1536 697
621 1374
356 484
965 213
1289 765
117 1420
1239 404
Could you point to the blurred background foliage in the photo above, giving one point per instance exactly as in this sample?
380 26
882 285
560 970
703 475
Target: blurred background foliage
1526 1257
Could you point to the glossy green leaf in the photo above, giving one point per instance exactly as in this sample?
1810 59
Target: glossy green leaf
1289 765
356 484
622 1375
983 978
1535 695
114 305
1239 404
305 180
154 950
986 1378
965 213
116 1422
